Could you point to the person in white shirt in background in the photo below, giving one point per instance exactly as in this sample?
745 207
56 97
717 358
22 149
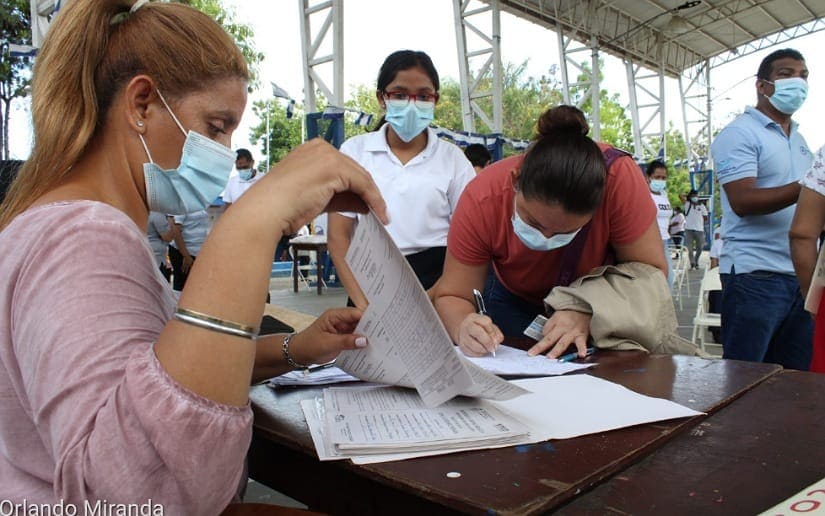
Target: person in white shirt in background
247 176
695 216
420 176
677 226
657 181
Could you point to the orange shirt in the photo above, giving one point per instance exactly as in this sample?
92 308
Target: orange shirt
481 230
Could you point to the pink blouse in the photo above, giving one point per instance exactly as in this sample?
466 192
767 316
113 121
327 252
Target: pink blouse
86 410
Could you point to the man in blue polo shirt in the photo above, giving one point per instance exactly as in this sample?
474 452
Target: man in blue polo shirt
759 159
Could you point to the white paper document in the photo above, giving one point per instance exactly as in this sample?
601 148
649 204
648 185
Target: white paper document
559 407
516 362
408 344
390 419
321 377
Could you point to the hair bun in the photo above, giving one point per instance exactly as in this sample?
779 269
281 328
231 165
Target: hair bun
562 118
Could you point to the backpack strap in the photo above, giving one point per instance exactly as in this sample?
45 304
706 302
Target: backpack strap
572 252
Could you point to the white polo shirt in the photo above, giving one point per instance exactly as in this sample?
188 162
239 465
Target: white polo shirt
236 187
422 195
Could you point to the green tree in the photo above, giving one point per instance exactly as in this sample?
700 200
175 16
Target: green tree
284 133
243 34
15 72
678 177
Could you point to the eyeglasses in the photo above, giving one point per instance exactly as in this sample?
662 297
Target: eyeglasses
402 98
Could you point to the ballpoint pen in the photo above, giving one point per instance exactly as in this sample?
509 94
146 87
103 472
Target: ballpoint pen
480 308
569 357
318 367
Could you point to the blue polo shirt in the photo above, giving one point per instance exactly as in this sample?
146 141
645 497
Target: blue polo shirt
753 145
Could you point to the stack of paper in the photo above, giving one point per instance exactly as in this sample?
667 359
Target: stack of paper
321 377
372 420
380 423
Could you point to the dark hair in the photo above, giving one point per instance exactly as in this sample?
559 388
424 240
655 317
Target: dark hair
243 153
86 61
693 192
399 61
478 155
653 165
766 66
563 165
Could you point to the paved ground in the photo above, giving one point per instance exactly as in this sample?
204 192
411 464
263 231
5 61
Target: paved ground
308 301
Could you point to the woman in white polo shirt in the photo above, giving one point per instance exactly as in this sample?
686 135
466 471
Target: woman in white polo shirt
420 176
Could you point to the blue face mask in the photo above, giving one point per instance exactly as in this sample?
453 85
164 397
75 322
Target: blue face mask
245 174
201 176
535 240
657 185
410 120
788 94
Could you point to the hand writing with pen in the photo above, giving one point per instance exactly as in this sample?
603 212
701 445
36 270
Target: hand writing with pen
478 335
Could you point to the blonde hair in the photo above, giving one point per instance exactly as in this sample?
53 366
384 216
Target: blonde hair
87 59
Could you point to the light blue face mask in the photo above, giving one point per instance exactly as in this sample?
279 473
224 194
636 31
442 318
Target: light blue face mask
201 176
788 94
535 240
245 174
410 120
658 185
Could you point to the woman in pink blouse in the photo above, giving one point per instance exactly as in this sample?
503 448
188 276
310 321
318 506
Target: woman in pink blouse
110 389
806 232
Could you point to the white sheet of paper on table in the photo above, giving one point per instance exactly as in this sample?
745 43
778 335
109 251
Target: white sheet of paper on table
516 362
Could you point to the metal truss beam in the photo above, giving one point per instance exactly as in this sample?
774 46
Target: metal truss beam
647 110
584 85
768 41
694 89
479 63
320 48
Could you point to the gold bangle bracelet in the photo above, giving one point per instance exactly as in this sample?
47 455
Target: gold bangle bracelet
208 322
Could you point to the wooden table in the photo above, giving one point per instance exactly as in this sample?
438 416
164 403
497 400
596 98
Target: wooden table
297 320
317 243
759 451
516 480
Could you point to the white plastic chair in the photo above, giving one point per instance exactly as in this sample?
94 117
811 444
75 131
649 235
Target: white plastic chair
680 261
703 320
303 270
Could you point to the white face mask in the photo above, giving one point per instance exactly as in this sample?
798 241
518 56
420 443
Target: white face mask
535 240
200 177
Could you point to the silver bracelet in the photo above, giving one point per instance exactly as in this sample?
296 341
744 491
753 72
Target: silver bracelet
287 356
213 323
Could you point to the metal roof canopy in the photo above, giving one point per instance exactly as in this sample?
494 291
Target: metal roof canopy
717 30
655 39
643 33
